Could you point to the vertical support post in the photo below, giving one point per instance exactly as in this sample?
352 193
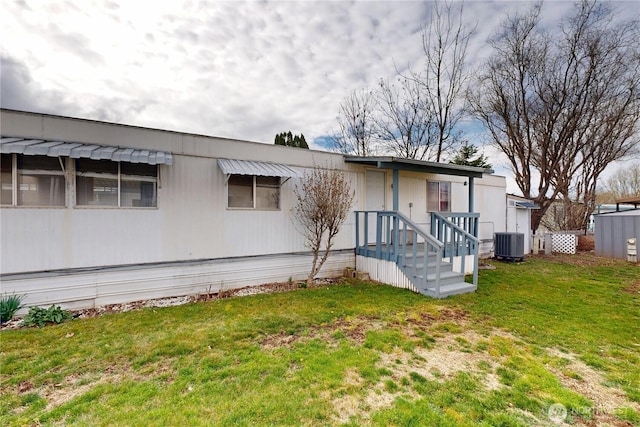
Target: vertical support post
357 232
475 264
396 237
396 189
378 235
471 195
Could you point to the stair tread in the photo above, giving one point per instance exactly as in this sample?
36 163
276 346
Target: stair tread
453 286
443 275
451 289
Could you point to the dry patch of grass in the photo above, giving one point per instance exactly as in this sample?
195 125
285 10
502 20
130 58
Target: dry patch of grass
584 380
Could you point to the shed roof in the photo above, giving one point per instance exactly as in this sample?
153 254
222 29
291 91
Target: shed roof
76 150
633 200
628 212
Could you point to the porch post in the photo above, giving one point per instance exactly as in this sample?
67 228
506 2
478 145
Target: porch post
396 187
470 194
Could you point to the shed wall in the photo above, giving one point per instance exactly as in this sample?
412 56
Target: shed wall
612 232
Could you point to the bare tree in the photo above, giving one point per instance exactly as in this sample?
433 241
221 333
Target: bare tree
405 123
355 121
323 200
562 111
445 77
624 182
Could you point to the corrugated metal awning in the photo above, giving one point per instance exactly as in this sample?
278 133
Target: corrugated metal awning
527 205
249 167
76 150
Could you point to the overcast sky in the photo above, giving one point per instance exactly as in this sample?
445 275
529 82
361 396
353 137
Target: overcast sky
243 70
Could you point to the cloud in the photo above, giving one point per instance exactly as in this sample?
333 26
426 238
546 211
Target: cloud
244 70
19 91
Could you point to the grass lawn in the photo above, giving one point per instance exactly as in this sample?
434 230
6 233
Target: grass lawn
561 331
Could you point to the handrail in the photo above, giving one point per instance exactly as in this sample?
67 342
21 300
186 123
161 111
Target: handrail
452 225
392 233
417 229
395 230
468 221
450 239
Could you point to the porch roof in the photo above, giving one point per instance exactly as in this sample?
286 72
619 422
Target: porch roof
412 165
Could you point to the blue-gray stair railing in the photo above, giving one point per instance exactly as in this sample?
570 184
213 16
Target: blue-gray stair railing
398 239
468 221
459 234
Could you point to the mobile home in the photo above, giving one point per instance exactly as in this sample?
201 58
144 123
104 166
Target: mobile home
95 213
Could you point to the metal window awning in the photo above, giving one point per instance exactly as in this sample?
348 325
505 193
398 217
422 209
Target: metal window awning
250 167
76 150
527 205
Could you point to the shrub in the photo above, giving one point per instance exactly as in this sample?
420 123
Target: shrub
9 304
38 316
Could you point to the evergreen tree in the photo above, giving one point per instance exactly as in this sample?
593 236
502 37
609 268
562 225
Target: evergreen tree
466 156
289 140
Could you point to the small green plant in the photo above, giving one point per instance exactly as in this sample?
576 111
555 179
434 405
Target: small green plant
303 285
38 316
9 304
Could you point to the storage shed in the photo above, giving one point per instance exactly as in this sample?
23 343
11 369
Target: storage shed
612 230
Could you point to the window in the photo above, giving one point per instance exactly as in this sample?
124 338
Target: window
119 184
438 196
6 179
254 192
32 181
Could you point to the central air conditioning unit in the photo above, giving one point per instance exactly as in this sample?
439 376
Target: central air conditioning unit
509 246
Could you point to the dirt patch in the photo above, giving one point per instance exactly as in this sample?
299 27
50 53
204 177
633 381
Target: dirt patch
604 420
634 289
355 329
586 243
584 380
582 259
451 354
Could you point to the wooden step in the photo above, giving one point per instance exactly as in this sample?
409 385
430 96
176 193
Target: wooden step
446 278
448 290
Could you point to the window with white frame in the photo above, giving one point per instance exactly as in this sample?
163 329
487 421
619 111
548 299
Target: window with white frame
117 184
438 196
254 192
32 181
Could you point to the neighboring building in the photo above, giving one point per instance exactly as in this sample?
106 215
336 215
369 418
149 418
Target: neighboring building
606 208
96 213
519 218
614 229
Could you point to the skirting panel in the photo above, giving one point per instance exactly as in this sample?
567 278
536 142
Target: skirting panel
384 271
115 285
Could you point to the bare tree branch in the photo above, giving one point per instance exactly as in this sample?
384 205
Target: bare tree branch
323 200
355 121
562 111
444 77
405 123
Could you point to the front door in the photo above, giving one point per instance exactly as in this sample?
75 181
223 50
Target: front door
375 183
